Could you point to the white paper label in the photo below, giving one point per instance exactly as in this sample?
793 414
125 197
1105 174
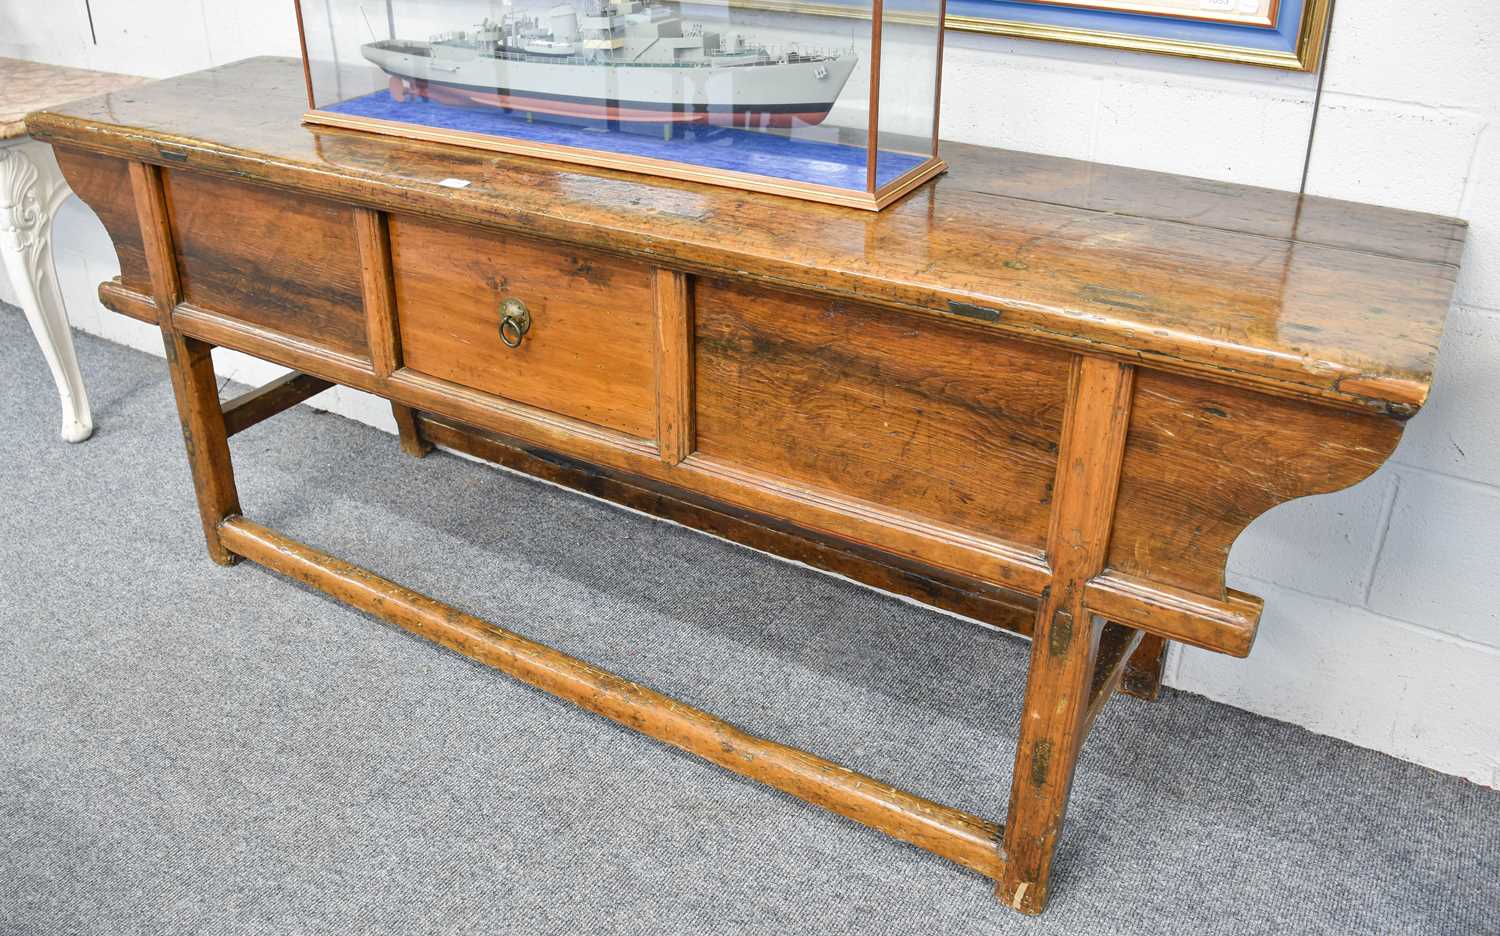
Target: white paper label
454 183
1217 6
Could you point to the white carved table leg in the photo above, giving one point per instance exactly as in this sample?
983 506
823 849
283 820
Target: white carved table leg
31 191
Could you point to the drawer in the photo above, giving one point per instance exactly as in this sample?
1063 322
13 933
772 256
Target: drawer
937 422
589 352
284 262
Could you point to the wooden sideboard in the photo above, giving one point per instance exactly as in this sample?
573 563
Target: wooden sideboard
1043 393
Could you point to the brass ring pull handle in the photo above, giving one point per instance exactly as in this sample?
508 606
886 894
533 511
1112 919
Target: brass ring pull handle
515 322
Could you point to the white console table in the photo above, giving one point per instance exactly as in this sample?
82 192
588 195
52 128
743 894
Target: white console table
31 191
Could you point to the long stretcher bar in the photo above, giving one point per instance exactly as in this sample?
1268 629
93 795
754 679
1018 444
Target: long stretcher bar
950 833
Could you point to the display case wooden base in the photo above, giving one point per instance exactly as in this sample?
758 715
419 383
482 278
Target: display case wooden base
1045 394
849 198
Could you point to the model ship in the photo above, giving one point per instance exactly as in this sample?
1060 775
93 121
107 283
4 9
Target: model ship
616 60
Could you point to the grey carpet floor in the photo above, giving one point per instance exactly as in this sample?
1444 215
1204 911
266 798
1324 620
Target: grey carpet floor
191 749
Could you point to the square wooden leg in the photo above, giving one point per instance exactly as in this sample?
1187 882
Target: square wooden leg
1053 724
412 441
1060 681
1143 673
191 366
203 432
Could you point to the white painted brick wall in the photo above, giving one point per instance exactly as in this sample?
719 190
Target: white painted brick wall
1379 628
1436 523
1458 431
1479 282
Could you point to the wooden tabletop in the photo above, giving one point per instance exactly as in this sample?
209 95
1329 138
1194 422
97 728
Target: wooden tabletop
28 86
1311 296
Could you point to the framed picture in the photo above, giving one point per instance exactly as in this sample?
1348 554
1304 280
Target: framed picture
1273 33
1276 33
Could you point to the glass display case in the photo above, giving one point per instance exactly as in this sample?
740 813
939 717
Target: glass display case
833 102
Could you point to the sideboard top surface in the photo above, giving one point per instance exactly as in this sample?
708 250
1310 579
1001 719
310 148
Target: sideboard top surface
1310 296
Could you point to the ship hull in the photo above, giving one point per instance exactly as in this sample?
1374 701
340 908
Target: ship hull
780 95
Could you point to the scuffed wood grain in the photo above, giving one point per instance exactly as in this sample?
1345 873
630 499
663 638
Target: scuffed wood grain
964 839
1309 297
277 259
258 405
103 183
1065 641
589 353
676 431
1033 387
953 424
1203 460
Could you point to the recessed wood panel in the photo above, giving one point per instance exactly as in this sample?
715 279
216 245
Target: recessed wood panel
286 262
938 421
103 183
1203 460
589 353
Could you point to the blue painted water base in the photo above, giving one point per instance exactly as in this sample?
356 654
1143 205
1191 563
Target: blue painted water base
724 148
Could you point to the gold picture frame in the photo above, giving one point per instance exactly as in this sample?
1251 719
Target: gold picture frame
1305 53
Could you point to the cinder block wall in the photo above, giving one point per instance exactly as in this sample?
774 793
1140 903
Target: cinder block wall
1380 624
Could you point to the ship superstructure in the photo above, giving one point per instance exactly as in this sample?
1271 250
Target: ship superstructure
617 60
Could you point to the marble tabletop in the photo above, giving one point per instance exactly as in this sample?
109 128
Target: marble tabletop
28 86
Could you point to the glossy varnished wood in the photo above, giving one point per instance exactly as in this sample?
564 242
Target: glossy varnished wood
104 184
1041 393
676 412
965 595
378 292
258 405
1205 459
1066 639
1226 625
1116 645
590 351
206 438
1145 667
955 425
275 258
190 365
1302 296
1213 618
957 836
